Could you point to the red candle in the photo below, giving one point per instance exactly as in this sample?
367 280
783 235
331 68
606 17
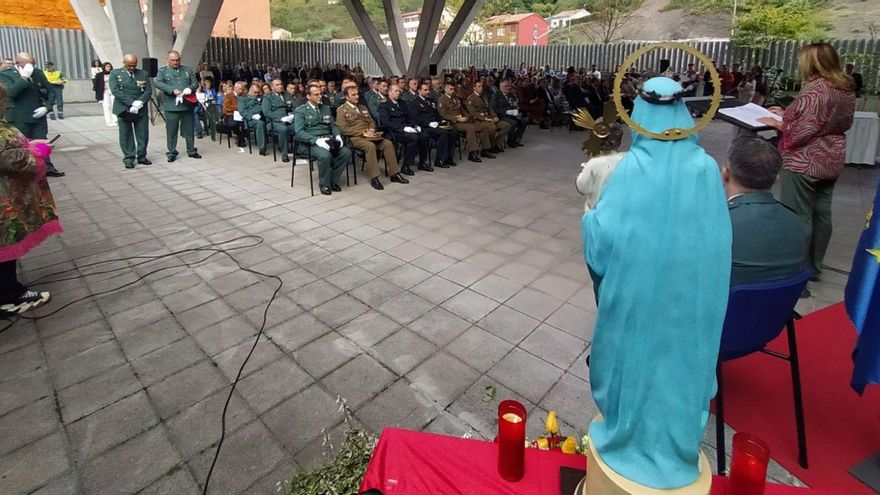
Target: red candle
511 439
748 467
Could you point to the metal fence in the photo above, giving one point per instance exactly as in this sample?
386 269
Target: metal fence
69 49
72 52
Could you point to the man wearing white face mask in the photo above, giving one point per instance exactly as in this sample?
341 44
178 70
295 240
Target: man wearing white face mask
27 90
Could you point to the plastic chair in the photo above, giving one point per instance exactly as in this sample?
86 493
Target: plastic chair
756 314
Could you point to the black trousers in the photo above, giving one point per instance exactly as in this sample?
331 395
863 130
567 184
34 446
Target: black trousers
10 288
444 142
410 142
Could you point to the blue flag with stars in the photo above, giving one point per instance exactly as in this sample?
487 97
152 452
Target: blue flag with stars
862 298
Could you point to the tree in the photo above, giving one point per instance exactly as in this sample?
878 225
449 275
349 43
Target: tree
794 20
610 20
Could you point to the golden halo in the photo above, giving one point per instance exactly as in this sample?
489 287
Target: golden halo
674 133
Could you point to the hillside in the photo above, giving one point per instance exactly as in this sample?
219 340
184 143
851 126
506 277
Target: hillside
318 20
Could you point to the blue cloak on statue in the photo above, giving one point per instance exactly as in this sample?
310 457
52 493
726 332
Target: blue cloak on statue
658 246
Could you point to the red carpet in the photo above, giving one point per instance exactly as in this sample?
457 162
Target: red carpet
843 429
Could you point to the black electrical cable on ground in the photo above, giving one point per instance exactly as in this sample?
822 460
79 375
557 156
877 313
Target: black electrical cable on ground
213 249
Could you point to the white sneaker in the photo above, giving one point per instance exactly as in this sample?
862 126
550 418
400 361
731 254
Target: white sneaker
28 301
241 150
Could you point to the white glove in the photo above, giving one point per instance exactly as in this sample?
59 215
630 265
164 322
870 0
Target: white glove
236 116
178 100
322 143
418 129
137 104
511 112
40 112
409 130
256 117
25 71
339 138
434 125
187 91
287 119
134 109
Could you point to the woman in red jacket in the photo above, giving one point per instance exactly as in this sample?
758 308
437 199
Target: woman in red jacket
813 143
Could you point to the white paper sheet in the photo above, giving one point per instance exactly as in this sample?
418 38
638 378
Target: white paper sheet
749 114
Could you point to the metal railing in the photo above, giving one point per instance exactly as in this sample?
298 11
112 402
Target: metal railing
72 52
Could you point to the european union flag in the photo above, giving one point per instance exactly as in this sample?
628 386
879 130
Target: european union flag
862 298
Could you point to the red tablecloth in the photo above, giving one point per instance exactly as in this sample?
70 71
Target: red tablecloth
414 463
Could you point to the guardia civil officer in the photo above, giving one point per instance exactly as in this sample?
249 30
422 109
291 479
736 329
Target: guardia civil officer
131 91
312 122
176 82
278 109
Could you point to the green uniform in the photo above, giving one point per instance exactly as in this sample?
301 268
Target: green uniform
373 99
312 123
408 96
178 116
277 106
248 106
126 88
23 97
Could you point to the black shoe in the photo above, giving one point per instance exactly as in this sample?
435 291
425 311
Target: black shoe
129 165
196 156
60 116
474 157
52 116
512 145
407 171
451 163
426 167
26 302
285 159
172 158
376 183
399 179
200 135
805 294
487 154
54 172
441 164
263 152
325 191
144 161
335 188
496 150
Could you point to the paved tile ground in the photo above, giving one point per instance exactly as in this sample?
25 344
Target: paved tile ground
407 303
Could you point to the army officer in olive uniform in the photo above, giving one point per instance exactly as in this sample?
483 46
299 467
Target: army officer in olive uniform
176 82
131 91
480 111
355 122
278 109
313 123
479 134
251 109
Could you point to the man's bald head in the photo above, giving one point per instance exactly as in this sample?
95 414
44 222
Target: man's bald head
130 61
23 58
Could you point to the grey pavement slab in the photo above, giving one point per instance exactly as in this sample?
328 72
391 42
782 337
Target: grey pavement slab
405 303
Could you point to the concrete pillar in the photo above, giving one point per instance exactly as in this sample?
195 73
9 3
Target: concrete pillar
371 36
432 10
159 30
456 31
396 32
127 24
97 26
196 30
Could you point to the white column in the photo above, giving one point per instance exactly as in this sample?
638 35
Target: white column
463 20
97 26
371 36
195 32
159 28
396 32
127 25
432 11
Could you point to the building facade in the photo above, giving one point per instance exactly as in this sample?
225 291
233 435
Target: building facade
565 18
517 30
251 18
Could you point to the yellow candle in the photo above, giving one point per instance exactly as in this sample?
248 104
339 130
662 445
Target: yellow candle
512 418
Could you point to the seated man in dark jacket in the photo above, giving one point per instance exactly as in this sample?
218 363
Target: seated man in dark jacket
769 240
398 126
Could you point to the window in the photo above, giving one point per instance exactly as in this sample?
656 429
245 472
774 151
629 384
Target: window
499 32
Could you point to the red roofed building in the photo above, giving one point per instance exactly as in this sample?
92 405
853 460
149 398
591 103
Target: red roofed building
517 29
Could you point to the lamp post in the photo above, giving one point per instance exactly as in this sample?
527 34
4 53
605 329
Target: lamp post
733 19
234 40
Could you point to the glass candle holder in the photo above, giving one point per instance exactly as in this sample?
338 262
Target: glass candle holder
748 466
511 440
